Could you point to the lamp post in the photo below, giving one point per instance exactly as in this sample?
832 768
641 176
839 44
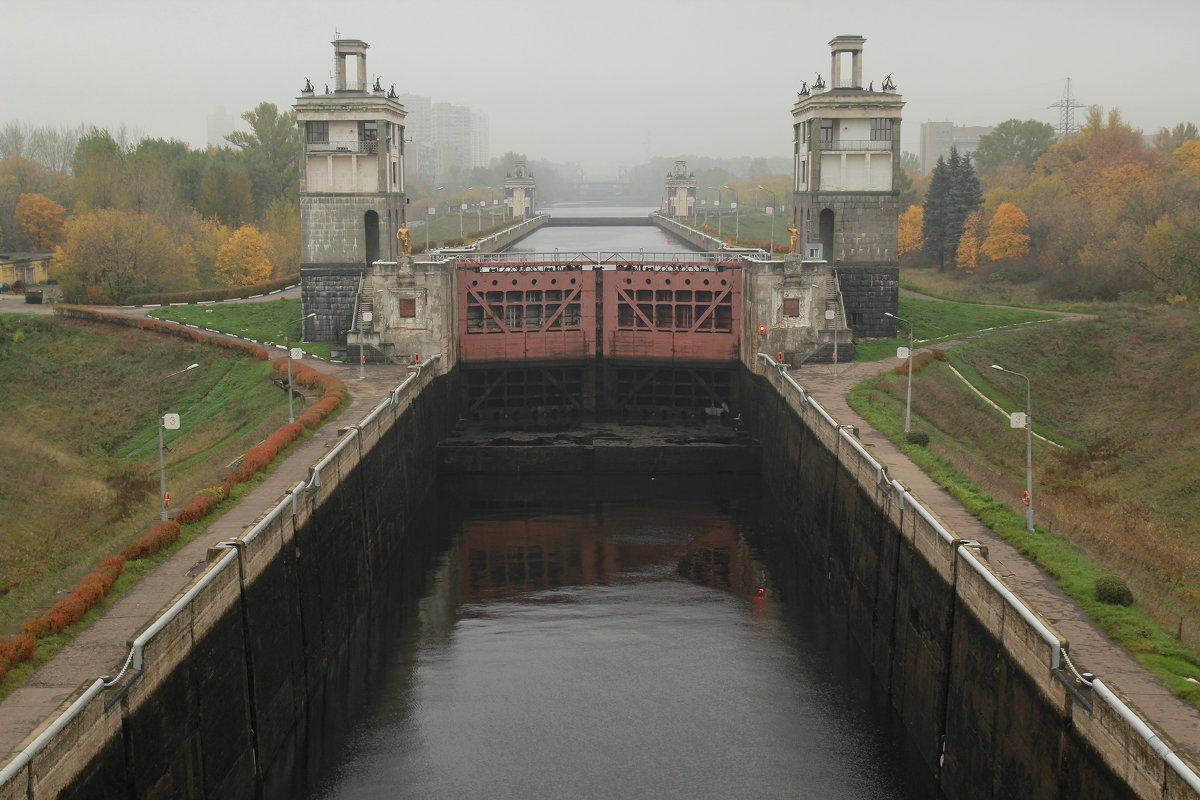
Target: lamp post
162 464
287 342
774 207
719 200
1028 498
737 217
908 402
462 208
429 216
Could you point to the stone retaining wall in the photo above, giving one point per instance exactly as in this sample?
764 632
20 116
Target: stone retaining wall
975 675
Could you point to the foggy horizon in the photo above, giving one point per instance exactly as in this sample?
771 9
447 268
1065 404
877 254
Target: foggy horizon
601 85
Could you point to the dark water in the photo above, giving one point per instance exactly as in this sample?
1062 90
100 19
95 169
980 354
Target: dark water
614 639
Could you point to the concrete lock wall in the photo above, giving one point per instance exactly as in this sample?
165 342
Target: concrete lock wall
975 675
265 644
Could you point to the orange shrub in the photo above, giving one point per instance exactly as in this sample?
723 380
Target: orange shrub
87 595
161 534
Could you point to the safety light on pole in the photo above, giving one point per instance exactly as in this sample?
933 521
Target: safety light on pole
1016 421
908 355
166 422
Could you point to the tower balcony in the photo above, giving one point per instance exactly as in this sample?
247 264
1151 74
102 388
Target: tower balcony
370 146
854 144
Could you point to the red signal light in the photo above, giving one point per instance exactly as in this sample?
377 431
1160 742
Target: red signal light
762 330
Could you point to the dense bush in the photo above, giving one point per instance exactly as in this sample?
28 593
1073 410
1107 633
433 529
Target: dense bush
919 438
1113 589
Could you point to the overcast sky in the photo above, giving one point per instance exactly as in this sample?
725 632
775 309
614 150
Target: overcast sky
599 82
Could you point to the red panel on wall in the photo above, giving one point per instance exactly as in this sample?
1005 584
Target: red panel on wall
514 316
672 315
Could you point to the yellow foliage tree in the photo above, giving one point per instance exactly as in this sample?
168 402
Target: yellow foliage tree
1008 235
41 220
110 255
1188 156
967 255
242 260
911 222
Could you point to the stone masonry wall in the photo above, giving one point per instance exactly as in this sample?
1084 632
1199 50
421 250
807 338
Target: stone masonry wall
865 225
330 291
867 293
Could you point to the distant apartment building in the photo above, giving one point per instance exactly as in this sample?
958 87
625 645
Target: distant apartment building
938 137
220 125
445 139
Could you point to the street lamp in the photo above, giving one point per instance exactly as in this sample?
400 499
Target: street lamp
462 207
774 208
908 402
429 212
287 342
737 220
164 500
1028 498
719 199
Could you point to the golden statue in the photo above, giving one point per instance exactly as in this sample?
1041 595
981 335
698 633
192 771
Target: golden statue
406 241
795 233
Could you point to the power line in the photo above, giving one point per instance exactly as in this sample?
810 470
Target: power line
1066 116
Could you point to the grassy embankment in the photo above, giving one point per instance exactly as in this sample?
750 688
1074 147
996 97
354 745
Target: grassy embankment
79 447
269 321
1119 495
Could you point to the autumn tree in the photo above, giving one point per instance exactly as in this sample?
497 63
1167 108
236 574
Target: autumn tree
199 242
282 230
1171 254
1013 142
1168 140
225 194
1188 157
40 219
969 243
272 151
909 240
242 260
1008 234
110 255
18 176
98 167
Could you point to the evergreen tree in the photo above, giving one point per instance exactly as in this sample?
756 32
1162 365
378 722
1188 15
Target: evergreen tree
934 226
964 196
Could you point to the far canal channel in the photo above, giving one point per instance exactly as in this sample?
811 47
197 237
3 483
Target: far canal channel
579 637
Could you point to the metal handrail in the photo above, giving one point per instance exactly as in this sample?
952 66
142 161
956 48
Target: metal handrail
856 144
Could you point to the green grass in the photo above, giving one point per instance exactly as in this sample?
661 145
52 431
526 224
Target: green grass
1119 497
273 321
79 445
935 321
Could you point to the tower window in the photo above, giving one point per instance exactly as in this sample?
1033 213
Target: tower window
317 132
881 130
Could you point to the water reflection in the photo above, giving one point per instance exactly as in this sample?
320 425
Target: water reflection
611 239
612 641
